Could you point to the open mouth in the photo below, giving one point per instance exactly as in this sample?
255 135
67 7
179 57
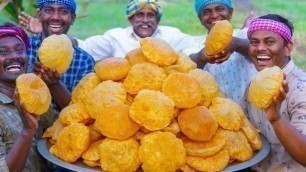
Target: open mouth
55 28
14 66
144 26
263 60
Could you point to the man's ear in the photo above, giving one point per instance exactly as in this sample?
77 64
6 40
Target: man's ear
73 17
38 14
131 20
231 10
157 20
289 48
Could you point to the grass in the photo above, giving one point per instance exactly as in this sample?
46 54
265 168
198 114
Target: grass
106 14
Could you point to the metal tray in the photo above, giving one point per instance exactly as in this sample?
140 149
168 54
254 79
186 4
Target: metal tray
43 148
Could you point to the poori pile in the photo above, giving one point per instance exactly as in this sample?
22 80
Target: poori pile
152 109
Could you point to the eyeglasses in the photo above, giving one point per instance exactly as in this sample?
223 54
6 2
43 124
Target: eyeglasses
4 52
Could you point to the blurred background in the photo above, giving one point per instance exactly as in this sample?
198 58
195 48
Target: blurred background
97 16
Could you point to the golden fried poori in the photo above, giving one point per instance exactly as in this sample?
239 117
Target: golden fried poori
72 141
198 123
215 162
144 76
208 84
184 90
53 131
183 65
102 95
86 84
152 110
33 93
219 37
95 134
251 134
204 149
158 51
264 86
75 113
119 155
136 57
115 122
114 68
237 145
92 154
161 151
229 114
173 127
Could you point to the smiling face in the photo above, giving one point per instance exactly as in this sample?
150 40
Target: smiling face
144 22
214 12
55 19
268 49
13 59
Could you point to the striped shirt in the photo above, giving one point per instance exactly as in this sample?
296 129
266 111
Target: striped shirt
11 126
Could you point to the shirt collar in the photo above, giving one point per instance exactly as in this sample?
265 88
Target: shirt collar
4 99
289 67
135 36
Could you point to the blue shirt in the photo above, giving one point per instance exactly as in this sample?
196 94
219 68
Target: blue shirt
82 63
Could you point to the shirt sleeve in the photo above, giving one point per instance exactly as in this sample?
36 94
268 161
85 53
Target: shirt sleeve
297 106
99 46
3 165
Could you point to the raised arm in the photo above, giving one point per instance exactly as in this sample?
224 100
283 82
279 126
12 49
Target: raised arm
58 90
18 154
32 24
293 141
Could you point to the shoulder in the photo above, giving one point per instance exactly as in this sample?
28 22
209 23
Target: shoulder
80 53
169 29
117 30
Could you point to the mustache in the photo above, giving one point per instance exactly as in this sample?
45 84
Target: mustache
142 23
9 62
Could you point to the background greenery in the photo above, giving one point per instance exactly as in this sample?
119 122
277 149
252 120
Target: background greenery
107 14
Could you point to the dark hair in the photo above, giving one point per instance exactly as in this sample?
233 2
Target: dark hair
8 24
281 19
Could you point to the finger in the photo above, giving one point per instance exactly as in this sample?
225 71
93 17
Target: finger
27 16
285 86
222 59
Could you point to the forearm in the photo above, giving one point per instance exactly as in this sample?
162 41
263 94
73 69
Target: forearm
198 58
17 156
241 46
60 94
293 141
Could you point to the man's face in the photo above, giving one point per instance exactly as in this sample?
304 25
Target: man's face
13 59
268 49
214 12
144 22
55 19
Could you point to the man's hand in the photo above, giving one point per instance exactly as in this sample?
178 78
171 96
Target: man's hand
248 20
29 120
32 24
272 112
219 58
50 76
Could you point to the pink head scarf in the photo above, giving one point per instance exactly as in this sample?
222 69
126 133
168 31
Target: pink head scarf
11 30
270 25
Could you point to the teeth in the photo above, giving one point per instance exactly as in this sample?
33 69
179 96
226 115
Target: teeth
144 26
13 67
55 26
263 57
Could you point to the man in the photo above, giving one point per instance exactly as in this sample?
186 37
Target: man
19 129
144 17
56 17
284 121
232 68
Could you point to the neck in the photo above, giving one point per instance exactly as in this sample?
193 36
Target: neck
7 90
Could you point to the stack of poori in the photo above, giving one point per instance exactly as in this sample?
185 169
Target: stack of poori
152 110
